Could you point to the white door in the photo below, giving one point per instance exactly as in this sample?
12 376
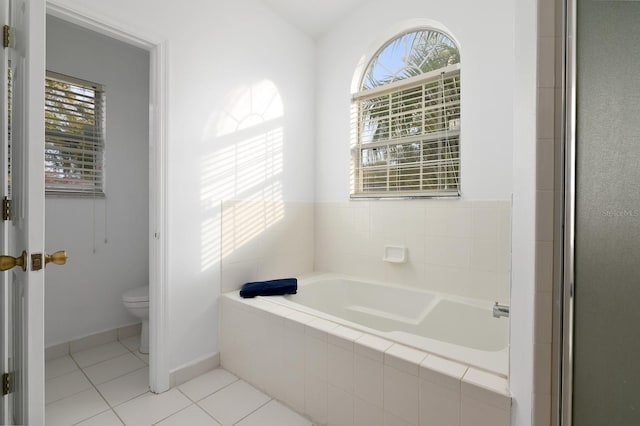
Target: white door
22 182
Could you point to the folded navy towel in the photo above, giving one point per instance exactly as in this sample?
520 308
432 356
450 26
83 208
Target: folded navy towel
270 288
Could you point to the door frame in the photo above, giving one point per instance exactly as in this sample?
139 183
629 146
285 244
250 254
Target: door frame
159 372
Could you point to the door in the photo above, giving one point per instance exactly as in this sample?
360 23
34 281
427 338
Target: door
23 183
606 370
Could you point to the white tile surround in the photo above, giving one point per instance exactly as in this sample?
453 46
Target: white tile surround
338 376
215 398
454 246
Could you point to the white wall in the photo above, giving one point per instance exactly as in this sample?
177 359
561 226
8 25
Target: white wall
220 51
485 34
84 296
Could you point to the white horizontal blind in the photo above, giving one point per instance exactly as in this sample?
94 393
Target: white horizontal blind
74 136
407 137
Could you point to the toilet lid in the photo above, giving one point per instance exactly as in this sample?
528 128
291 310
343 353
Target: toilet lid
138 294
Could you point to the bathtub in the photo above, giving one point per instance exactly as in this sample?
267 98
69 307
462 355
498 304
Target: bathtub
369 351
456 328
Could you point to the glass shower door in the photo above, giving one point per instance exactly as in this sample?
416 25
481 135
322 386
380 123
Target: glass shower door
606 355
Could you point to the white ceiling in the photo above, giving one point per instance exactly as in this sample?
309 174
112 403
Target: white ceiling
313 17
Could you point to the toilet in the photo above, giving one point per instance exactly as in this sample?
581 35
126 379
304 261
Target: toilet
136 301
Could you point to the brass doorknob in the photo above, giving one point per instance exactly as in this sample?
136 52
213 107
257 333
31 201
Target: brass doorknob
8 262
59 258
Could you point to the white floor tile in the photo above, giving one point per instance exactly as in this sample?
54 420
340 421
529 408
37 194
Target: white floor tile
113 368
192 415
126 387
108 418
132 343
65 386
143 357
75 408
58 367
150 408
234 402
274 413
207 384
99 353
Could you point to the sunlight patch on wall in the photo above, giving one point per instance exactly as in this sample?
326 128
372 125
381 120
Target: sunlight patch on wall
243 221
246 166
249 106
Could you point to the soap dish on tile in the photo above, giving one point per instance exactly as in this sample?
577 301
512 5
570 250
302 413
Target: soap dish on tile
395 254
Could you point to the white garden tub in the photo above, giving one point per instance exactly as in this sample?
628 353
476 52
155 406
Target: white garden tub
457 328
346 351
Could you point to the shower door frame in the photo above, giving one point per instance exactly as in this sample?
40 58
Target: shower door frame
159 372
564 379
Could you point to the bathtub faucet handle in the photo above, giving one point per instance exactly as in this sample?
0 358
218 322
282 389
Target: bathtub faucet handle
500 310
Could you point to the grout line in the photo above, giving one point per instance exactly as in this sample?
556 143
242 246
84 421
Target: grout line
95 415
120 376
118 416
99 393
96 363
208 395
137 396
63 374
182 409
271 399
70 395
192 403
95 388
186 396
136 352
130 399
207 413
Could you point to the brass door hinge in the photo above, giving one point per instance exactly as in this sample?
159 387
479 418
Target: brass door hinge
6 36
7 383
7 209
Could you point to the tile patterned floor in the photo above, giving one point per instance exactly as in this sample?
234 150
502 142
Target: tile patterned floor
108 385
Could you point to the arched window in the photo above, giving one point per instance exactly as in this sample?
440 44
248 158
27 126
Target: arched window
406 119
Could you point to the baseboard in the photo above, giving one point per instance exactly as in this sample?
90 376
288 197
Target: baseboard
193 369
129 330
56 351
91 341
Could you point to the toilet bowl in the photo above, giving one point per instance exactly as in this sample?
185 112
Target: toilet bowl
136 301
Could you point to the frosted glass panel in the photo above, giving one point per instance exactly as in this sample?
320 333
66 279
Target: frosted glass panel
607 284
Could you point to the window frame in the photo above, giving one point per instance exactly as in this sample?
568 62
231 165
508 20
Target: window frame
358 145
96 141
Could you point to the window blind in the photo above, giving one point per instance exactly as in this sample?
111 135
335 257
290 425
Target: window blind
74 136
407 137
